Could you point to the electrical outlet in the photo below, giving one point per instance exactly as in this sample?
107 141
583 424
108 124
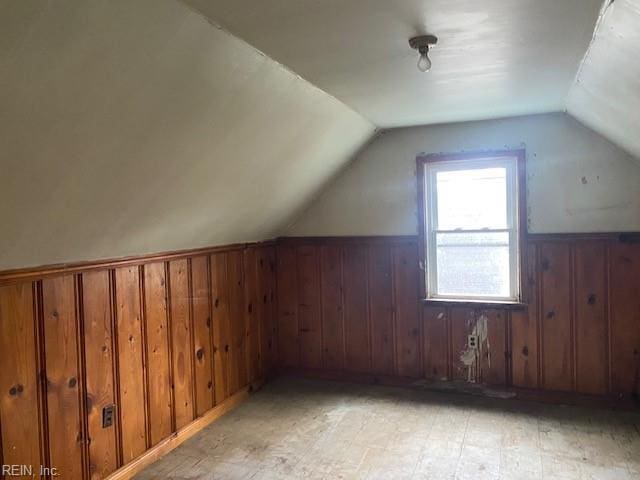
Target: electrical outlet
107 415
472 341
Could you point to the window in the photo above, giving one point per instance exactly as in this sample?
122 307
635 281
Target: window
471 225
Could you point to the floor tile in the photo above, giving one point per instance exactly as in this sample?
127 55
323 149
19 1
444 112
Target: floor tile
302 429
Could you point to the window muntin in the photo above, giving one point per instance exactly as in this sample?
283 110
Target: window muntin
472 229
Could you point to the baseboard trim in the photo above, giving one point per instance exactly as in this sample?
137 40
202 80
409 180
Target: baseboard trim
350 377
616 402
165 446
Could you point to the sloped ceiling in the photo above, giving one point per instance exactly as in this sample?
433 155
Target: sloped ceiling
136 127
495 58
133 127
606 94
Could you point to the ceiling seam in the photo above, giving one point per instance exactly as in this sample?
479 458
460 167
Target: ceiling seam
281 65
603 10
322 189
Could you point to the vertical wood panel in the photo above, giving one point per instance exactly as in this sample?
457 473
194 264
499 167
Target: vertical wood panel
221 327
625 318
356 321
273 308
287 321
524 329
551 336
158 354
408 334
202 334
381 309
237 353
252 325
266 312
131 379
260 307
591 321
63 382
435 343
576 288
332 308
18 377
310 330
181 343
557 358
99 341
263 307
492 361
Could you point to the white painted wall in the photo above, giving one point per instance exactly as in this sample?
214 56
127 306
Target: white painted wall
576 180
137 127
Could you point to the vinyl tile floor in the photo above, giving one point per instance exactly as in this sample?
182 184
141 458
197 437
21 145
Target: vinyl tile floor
295 429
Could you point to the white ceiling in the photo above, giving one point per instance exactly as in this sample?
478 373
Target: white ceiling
606 95
495 58
132 127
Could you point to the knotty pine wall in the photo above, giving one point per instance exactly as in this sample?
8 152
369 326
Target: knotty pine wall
165 340
171 338
351 306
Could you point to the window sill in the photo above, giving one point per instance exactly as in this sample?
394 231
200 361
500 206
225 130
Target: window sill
444 302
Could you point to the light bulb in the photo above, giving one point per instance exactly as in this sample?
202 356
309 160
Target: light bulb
424 63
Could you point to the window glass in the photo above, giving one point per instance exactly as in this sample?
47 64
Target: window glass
472 199
473 264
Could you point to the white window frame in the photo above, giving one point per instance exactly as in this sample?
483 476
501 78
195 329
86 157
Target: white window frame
510 163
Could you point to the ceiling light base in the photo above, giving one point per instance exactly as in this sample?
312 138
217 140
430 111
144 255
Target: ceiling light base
423 41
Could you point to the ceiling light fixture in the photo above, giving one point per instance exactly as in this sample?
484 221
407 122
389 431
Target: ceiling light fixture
422 44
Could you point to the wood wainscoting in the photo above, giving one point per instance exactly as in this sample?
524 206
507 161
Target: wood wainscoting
174 340
352 305
171 341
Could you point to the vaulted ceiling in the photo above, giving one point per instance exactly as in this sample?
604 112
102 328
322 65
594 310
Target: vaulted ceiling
133 127
137 127
494 58
606 93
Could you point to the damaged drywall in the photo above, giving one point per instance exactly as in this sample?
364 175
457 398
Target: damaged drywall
471 368
477 347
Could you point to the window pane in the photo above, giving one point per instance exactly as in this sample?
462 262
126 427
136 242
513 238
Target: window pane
473 264
472 199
